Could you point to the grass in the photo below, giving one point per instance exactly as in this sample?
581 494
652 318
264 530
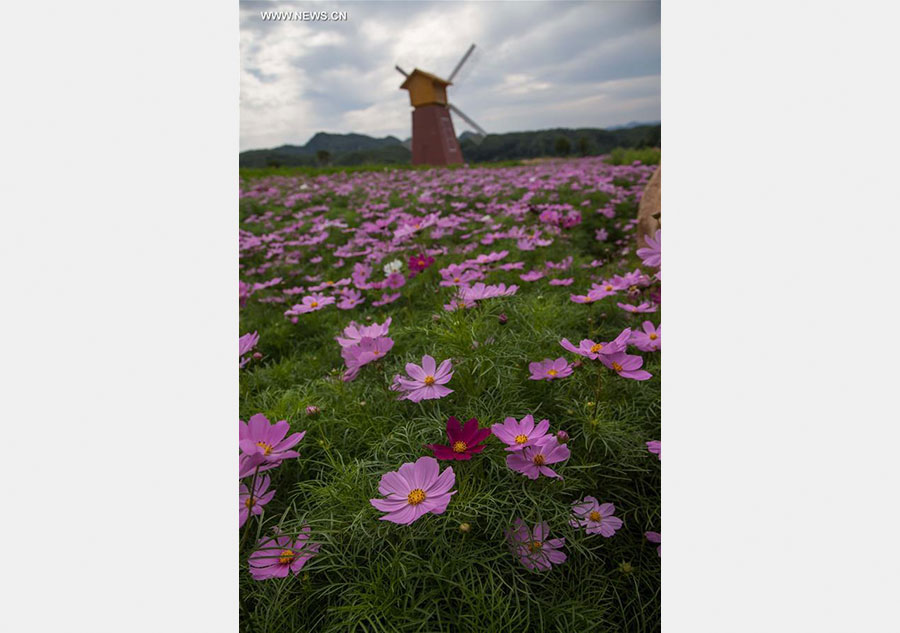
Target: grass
372 575
622 156
290 171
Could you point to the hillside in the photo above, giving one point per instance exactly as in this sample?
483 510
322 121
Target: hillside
357 149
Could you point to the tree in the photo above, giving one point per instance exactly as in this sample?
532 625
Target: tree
323 156
583 146
563 146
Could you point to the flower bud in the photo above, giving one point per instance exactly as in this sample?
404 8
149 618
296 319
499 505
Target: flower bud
464 528
502 318
562 437
312 410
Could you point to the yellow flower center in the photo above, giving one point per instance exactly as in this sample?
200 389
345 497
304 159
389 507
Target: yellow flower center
329 283
595 516
250 502
459 447
267 448
456 280
287 557
521 439
551 372
653 336
596 347
421 262
429 380
617 366
536 545
538 460
608 288
314 304
416 496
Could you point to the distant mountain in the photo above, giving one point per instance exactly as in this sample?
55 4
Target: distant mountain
632 124
357 149
467 135
342 149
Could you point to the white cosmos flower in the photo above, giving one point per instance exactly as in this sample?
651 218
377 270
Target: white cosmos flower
393 267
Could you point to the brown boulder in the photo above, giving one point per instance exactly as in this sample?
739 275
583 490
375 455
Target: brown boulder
649 210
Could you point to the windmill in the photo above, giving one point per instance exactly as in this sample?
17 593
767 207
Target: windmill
433 139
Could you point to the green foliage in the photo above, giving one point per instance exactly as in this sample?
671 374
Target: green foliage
623 156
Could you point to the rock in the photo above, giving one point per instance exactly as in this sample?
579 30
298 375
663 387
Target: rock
649 210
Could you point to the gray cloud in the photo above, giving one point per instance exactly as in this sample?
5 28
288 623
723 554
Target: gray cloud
537 65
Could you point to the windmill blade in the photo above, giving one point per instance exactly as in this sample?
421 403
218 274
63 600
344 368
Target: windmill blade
401 71
461 62
468 120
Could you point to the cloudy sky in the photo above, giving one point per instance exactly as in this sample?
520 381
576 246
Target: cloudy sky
537 65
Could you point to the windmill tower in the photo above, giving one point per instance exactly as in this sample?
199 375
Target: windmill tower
433 139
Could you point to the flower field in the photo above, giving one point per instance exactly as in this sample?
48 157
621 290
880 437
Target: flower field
450 401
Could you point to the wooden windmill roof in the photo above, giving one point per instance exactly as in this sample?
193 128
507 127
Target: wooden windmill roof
416 72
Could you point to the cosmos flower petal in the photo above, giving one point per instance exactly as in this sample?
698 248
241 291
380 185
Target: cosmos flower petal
403 516
416 372
426 471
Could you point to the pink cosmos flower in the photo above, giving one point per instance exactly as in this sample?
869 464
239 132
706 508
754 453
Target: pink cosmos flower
253 504
425 382
247 464
309 303
354 333
386 299
644 307
361 354
350 299
595 517
246 343
481 291
413 490
532 275
458 303
602 290
532 460
655 447
465 441
655 537
649 340
562 282
330 284
279 555
244 292
592 350
394 281
532 547
582 298
651 255
491 257
549 369
518 435
455 275
564 263
258 437
626 365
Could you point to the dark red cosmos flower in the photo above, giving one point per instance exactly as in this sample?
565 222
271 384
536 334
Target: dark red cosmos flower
465 441
418 263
